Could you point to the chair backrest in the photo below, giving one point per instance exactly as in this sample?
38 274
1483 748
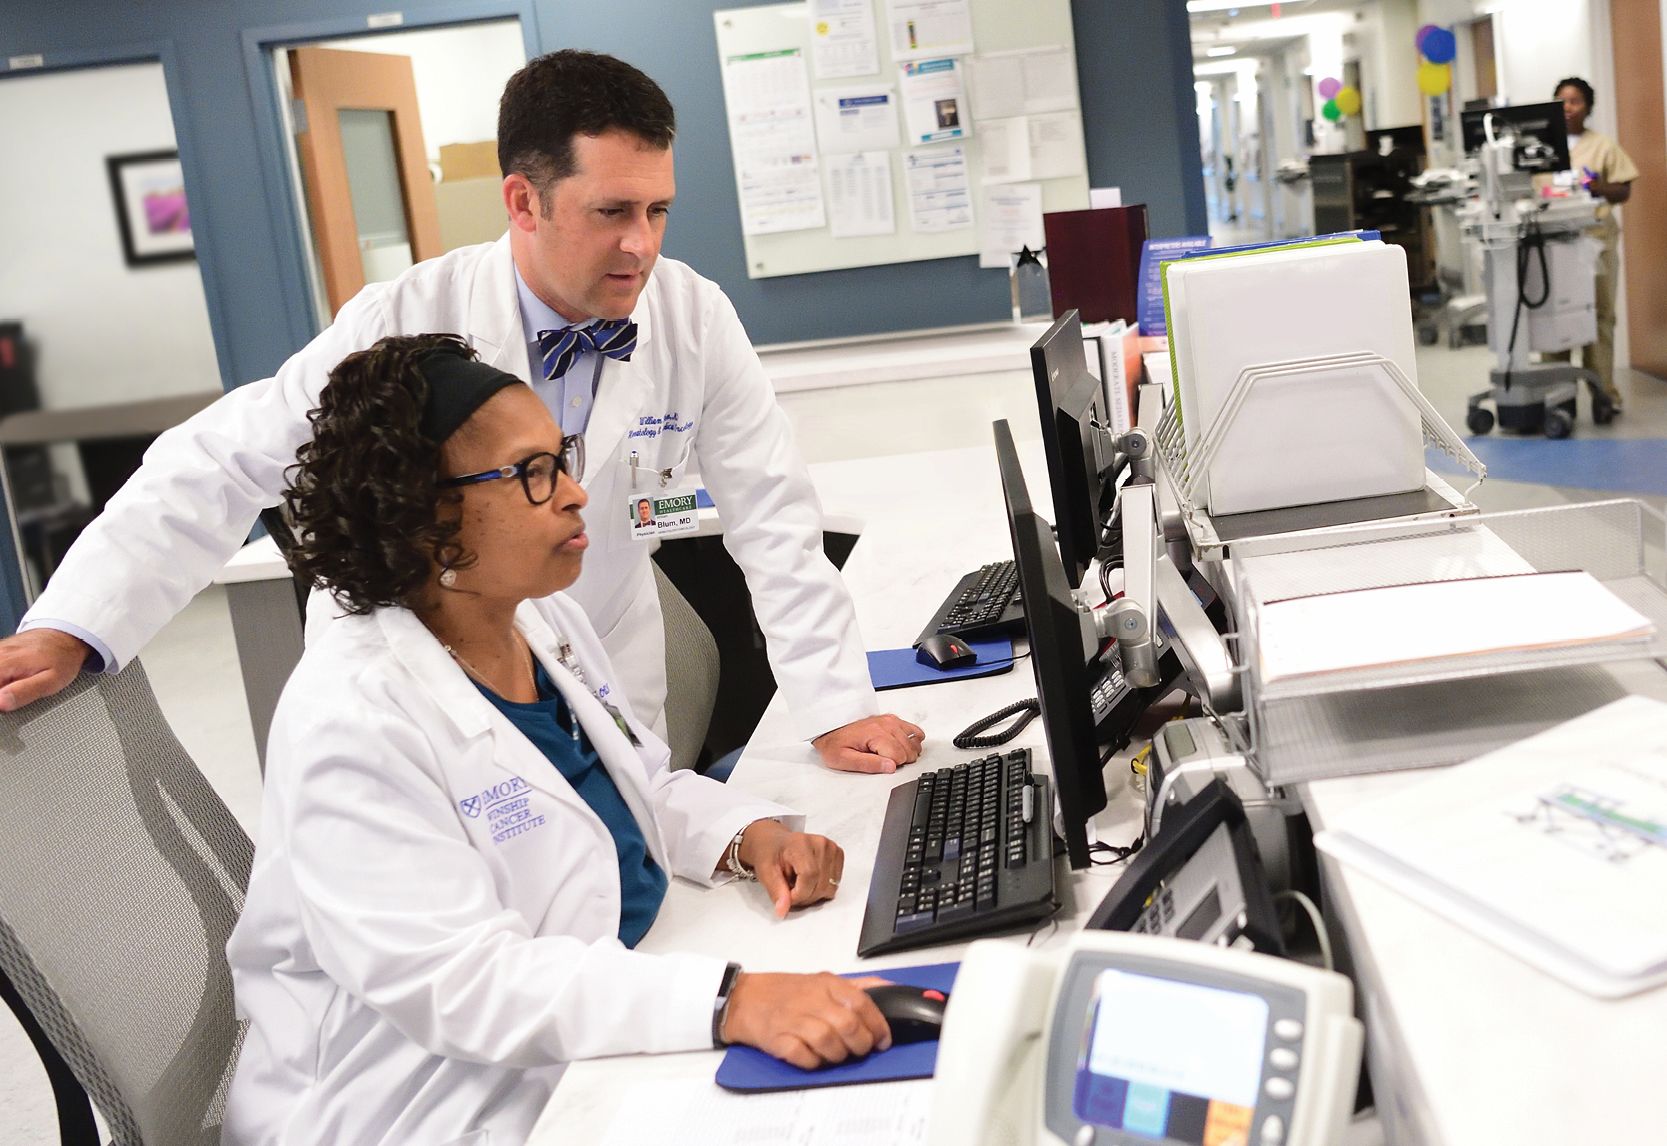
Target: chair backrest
121 876
691 673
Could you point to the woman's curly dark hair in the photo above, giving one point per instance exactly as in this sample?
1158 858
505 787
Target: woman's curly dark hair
363 497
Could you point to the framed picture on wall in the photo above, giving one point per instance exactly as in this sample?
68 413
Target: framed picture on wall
155 223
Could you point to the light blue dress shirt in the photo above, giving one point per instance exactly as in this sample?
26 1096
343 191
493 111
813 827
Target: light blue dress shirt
570 397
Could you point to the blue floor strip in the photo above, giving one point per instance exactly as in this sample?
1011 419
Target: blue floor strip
1619 465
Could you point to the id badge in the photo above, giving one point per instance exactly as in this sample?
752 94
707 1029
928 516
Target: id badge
668 513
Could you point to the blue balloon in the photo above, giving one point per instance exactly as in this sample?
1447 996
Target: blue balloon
1440 46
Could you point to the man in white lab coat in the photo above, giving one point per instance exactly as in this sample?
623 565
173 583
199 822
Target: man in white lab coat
639 354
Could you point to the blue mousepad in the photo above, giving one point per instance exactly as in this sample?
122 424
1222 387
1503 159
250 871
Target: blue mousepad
750 1071
897 668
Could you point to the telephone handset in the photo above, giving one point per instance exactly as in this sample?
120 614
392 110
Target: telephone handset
1199 878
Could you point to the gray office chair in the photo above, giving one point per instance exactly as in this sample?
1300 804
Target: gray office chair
691 671
121 875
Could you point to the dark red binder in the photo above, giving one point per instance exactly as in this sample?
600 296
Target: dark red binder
1094 261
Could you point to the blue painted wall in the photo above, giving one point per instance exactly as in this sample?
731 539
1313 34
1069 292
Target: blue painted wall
1134 65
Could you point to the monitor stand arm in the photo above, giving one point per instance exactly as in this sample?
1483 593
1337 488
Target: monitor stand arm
1150 582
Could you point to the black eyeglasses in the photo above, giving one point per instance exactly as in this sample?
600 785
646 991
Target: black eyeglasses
538 472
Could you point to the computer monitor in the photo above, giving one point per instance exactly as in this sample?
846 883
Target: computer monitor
1540 122
1072 405
1061 641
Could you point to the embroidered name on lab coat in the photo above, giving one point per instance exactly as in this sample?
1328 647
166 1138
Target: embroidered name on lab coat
506 807
652 426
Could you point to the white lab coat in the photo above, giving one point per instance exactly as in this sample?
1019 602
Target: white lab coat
431 925
694 383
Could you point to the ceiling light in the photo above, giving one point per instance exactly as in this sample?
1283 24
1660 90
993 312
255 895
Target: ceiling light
1226 5
1218 52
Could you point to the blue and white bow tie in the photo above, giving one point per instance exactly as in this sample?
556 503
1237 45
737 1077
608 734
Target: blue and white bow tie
614 337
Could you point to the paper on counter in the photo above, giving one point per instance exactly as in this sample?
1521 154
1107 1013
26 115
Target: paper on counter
1009 218
859 194
1554 847
934 101
843 40
696 1112
767 95
1434 620
856 118
940 193
922 28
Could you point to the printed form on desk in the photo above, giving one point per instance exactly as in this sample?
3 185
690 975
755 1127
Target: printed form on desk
697 1112
1407 624
1553 848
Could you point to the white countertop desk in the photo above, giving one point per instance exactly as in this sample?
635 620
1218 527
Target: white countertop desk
1469 1044
926 519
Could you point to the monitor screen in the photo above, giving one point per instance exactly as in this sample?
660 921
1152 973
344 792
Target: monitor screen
1543 122
1071 402
1059 651
1172 1061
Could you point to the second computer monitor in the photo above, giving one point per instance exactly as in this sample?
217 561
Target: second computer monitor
1540 121
1059 649
1074 428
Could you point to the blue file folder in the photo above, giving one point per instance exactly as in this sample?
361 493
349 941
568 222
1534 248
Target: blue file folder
750 1071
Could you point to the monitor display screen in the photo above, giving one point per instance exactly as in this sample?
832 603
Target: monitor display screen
1541 123
1172 1061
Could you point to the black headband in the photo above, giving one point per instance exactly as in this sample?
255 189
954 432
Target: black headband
457 387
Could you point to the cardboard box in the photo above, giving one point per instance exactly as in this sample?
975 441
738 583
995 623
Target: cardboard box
469 160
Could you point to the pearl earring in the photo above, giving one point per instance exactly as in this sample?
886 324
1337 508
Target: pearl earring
448 577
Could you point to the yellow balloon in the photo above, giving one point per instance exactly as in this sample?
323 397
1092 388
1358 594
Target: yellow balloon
1348 101
1433 79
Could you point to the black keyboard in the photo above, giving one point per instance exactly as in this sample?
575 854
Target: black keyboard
964 851
984 604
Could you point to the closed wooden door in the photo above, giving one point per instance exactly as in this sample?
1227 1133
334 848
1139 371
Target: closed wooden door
360 141
1642 131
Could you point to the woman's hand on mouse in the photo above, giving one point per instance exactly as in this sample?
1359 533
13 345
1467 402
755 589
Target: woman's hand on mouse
807 1020
796 869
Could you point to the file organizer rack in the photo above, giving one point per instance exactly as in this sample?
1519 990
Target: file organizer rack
1443 711
1186 466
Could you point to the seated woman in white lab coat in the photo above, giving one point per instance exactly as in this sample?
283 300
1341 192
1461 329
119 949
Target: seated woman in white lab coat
466 831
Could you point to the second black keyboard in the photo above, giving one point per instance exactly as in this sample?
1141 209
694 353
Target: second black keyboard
964 851
985 603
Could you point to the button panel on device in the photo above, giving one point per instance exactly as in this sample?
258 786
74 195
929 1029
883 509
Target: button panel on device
1279 1089
1288 1029
1282 1058
1273 1131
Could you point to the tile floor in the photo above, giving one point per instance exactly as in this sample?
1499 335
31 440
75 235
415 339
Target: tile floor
193 663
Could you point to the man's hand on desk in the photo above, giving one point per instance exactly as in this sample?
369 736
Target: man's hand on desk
873 744
807 1020
37 664
796 868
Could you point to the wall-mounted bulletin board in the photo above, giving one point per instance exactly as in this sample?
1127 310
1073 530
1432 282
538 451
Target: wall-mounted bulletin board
887 131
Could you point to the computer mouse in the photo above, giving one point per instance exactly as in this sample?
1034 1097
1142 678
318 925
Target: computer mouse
944 651
914 1014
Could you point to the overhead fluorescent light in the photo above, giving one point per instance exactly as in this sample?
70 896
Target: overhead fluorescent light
1218 52
1226 5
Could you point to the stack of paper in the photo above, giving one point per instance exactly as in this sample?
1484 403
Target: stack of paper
1342 432
1437 620
1555 848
